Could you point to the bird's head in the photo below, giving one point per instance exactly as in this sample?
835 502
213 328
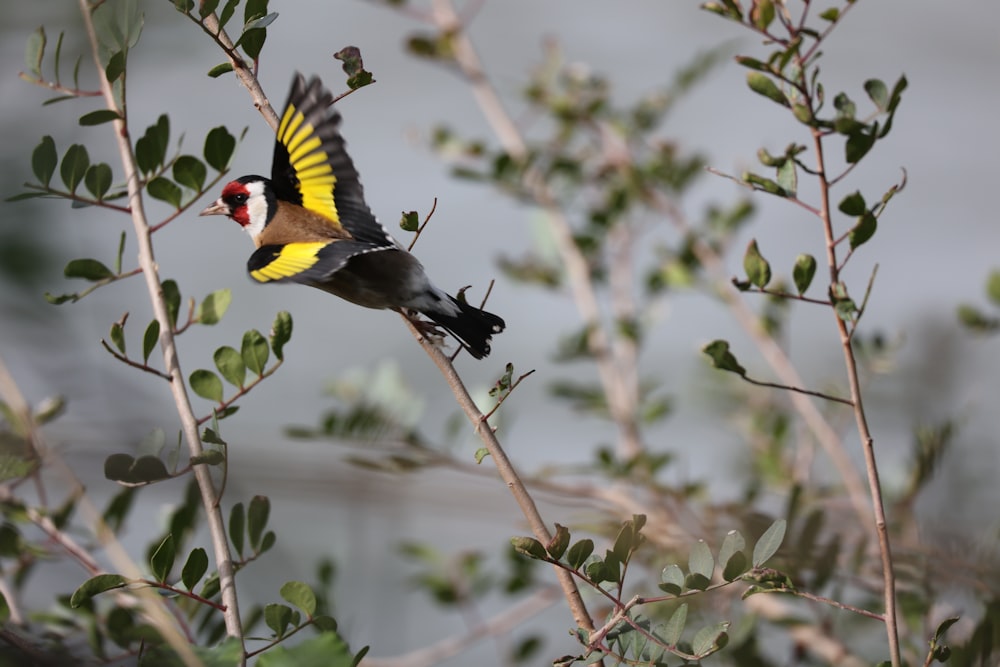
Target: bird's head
249 201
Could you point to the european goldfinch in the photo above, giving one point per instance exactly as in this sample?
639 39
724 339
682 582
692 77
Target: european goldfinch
311 225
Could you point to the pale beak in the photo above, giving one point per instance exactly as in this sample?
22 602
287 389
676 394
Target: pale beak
218 207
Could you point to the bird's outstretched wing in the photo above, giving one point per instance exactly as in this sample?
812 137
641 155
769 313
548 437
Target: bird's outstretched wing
311 166
308 263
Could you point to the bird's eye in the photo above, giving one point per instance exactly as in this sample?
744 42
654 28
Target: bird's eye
240 199
236 200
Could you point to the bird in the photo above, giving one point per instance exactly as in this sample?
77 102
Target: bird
310 225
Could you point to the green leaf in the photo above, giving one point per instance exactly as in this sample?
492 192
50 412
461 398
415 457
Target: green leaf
864 230
722 358
769 543
257 515
762 13
214 306
757 268
98 180
710 639
763 184
237 526
44 160
220 69
277 617
762 84
210 457
172 298
230 363
149 339
732 544
162 560
206 384
129 470
74 166
151 148
878 93
88 269
529 546
219 147
261 23
993 287
115 67
300 595
98 117
559 542
579 553
700 560
853 204
190 172
672 630
734 566
165 190
227 11
859 143
254 351
803 272
410 221
672 579
281 333
34 51
787 178
94 586
195 568
831 14
117 335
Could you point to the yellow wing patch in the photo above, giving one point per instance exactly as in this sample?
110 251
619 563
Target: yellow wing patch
310 162
292 259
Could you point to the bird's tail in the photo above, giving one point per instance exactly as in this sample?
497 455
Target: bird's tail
472 326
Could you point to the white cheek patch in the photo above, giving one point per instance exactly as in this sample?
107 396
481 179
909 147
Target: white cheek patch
256 209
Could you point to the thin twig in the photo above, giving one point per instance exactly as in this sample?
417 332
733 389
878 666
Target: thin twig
799 390
504 466
134 364
420 229
506 395
867 442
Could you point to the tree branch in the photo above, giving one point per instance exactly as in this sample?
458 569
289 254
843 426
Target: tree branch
171 362
504 466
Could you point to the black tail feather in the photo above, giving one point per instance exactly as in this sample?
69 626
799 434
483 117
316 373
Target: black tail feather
474 328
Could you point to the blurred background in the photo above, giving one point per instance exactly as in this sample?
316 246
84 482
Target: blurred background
935 247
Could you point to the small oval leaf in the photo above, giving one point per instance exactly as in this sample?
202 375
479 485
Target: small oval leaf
98 180
165 190
87 269
195 568
94 586
255 351
206 384
758 269
74 166
98 117
300 595
230 365
769 543
162 560
219 147
44 160
281 333
803 272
